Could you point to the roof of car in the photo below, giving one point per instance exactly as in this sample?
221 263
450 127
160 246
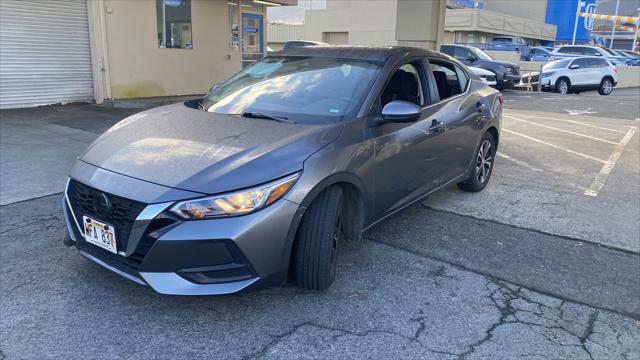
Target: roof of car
374 53
586 46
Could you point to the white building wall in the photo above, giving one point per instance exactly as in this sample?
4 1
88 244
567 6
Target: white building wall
367 22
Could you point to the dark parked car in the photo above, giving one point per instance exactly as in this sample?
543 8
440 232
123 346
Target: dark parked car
510 43
267 174
507 74
300 43
539 54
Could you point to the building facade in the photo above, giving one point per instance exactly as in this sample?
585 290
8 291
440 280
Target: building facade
278 34
406 22
381 23
90 50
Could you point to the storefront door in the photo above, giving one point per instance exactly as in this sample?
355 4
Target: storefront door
252 39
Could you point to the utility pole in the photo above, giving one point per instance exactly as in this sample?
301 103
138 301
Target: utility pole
575 25
613 30
635 36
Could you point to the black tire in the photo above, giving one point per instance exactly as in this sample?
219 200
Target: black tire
317 241
477 181
560 86
606 86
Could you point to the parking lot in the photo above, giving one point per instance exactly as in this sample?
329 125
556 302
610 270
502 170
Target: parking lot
542 264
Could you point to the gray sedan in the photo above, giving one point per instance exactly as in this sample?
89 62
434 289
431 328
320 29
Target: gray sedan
262 179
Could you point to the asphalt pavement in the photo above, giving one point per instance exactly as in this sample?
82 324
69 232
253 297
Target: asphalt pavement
535 266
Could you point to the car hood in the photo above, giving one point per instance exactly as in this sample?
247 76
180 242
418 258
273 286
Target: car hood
480 71
189 149
504 63
494 64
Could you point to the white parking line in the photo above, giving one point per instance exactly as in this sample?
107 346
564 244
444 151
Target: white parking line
519 162
576 122
562 130
602 176
555 146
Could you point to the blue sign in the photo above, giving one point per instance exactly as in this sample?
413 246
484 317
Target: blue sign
251 29
562 13
479 4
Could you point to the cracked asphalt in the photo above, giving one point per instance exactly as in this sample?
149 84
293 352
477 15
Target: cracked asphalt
432 282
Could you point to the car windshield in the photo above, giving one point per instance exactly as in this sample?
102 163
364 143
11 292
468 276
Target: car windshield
557 64
632 55
609 52
505 40
480 54
298 89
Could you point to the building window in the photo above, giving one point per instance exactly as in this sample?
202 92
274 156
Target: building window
234 21
470 38
174 24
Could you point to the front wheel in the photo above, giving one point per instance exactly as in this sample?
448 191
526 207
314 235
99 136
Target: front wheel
317 241
606 87
481 172
563 86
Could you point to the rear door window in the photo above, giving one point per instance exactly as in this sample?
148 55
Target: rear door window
569 50
590 51
599 63
583 63
450 79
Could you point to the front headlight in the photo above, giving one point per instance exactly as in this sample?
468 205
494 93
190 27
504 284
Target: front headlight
235 203
547 74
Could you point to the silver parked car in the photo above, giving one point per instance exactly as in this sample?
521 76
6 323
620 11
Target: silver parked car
267 174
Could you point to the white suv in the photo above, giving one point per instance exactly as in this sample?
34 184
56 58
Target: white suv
574 51
579 74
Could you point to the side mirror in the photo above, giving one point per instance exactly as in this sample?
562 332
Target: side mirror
399 111
575 66
214 86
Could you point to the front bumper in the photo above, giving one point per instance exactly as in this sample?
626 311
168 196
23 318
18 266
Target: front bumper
201 257
505 80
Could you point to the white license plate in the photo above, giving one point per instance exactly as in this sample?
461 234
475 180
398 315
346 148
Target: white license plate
100 234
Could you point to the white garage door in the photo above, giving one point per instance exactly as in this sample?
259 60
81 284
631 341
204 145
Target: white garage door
45 56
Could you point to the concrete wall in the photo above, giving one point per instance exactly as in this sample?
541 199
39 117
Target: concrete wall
628 76
139 68
420 23
534 10
510 56
483 21
280 33
367 22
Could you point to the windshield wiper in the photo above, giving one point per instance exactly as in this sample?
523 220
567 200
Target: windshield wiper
257 115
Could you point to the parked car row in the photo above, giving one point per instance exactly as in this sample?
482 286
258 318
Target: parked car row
574 51
506 73
546 53
575 75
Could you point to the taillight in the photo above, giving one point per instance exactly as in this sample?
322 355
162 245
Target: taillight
501 98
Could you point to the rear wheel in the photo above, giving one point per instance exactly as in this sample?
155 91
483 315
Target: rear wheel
317 241
563 86
481 172
606 87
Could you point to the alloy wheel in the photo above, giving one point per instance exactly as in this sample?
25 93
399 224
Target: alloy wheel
563 87
484 161
607 86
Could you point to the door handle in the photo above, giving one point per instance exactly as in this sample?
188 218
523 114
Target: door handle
436 126
480 107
